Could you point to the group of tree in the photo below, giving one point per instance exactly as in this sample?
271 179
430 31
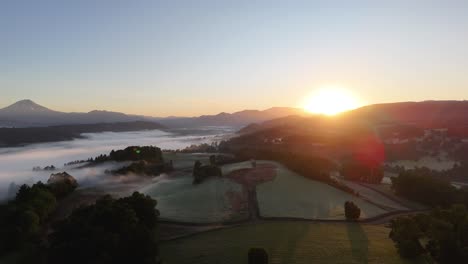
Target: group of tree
61 184
46 168
109 231
362 171
200 148
420 186
459 171
442 235
202 172
146 160
132 153
75 162
144 168
21 219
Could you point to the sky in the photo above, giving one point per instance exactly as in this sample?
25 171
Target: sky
190 57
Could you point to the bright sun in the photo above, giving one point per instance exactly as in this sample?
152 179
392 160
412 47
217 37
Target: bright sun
330 101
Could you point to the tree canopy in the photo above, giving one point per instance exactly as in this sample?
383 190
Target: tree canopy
109 231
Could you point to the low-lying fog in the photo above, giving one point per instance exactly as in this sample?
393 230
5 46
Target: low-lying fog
16 163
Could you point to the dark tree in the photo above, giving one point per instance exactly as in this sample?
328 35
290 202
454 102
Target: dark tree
443 234
201 172
62 184
419 185
21 218
406 234
352 211
258 256
110 231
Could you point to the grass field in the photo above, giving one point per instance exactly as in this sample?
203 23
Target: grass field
292 195
374 196
287 242
212 201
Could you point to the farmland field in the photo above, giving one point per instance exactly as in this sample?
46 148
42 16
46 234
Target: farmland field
374 196
292 195
215 200
287 242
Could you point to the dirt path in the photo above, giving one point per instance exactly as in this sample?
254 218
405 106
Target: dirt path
249 179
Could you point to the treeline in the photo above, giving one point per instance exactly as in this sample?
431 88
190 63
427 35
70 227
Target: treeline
200 148
131 153
110 231
10 137
202 172
23 219
361 171
459 171
144 168
441 235
420 186
147 160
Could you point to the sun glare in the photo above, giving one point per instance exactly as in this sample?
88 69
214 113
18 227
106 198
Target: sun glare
330 101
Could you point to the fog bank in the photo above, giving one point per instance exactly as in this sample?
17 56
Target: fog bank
16 163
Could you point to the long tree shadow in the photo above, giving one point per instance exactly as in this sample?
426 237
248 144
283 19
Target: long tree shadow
290 238
359 243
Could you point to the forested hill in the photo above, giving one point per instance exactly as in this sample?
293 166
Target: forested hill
10 137
400 117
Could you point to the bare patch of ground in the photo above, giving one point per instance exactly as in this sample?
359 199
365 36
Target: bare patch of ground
254 176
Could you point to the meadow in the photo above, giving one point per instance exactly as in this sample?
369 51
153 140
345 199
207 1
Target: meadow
287 242
215 200
292 195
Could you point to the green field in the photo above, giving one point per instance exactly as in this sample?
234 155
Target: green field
292 195
287 242
374 196
180 200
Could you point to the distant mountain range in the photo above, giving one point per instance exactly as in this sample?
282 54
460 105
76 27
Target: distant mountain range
26 113
237 119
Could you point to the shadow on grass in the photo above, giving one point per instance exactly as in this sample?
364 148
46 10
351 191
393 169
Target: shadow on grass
284 243
359 243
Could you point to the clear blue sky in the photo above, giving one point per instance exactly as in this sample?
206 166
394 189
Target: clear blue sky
193 57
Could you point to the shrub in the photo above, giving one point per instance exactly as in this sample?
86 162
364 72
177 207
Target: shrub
258 256
352 211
